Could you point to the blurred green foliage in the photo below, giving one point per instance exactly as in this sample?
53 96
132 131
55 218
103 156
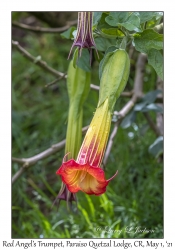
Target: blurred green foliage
39 116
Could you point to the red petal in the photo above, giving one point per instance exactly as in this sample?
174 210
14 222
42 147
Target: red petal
89 179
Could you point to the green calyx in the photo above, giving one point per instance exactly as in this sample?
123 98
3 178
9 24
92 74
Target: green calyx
114 77
78 85
74 133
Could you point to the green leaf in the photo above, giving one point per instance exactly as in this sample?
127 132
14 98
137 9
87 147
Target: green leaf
152 23
103 43
83 62
155 59
68 33
157 147
117 17
151 96
129 21
106 30
112 33
147 102
128 120
140 106
159 14
133 23
96 17
148 39
153 107
102 23
148 15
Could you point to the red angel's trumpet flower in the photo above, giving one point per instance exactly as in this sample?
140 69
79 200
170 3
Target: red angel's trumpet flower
85 173
78 85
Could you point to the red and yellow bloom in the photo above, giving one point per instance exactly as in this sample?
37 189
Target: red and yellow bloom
85 173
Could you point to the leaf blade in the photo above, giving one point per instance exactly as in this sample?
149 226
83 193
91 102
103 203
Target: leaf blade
155 59
148 39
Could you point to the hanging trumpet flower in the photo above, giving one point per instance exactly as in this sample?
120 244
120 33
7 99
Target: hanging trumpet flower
85 173
78 85
84 37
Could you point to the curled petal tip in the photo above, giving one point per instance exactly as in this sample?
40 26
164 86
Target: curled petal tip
113 176
65 157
